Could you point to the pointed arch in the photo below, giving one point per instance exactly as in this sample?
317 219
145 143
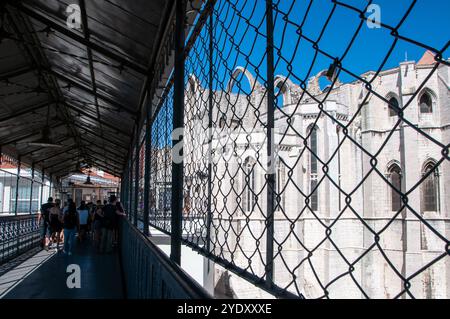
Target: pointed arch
284 85
193 84
394 174
193 98
235 77
313 86
313 166
280 182
426 101
430 187
393 103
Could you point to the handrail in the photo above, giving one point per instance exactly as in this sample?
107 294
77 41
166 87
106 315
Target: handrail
8 217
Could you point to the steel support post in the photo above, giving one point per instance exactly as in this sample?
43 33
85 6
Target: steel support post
148 145
136 180
130 190
17 187
178 122
31 189
42 187
270 144
210 123
50 186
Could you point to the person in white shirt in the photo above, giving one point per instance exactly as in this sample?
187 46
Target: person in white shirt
83 213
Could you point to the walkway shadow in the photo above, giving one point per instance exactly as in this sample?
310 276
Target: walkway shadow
47 276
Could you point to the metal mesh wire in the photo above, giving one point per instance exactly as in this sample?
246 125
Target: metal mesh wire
141 181
160 164
333 201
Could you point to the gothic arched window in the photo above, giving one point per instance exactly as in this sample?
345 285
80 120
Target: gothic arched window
279 201
222 121
248 181
281 94
430 189
192 87
395 174
313 169
426 103
393 107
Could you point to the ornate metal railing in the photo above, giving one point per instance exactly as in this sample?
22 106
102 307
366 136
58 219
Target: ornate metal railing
17 235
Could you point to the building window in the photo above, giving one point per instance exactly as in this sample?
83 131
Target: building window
313 169
222 122
426 103
430 188
279 201
249 185
393 107
396 180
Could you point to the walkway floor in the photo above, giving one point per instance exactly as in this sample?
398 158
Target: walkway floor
45 276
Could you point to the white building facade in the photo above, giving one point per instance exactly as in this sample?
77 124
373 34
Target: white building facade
343 159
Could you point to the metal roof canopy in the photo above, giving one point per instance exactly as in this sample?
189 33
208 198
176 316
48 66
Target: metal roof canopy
94 79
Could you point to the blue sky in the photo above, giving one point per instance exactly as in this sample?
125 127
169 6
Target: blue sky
428 23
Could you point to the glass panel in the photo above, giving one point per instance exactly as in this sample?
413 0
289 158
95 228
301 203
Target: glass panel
7 189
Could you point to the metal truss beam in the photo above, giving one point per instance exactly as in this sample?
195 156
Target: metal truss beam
85 88
25 111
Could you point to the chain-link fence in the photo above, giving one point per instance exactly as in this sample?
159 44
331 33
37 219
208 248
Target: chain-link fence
160 164
301 173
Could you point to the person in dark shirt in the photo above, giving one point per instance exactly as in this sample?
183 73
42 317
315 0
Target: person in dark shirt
97 217
120 212
44 222
109 217
71 222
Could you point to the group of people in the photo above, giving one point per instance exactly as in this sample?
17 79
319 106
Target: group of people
62 224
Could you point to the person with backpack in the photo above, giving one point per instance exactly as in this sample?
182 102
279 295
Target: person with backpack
108 222
44 222
55 223
70 224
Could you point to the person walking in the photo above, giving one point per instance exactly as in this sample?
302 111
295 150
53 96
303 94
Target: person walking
63 211
44 222
83 215
120 212
70 224
55 219
109 218
97 217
